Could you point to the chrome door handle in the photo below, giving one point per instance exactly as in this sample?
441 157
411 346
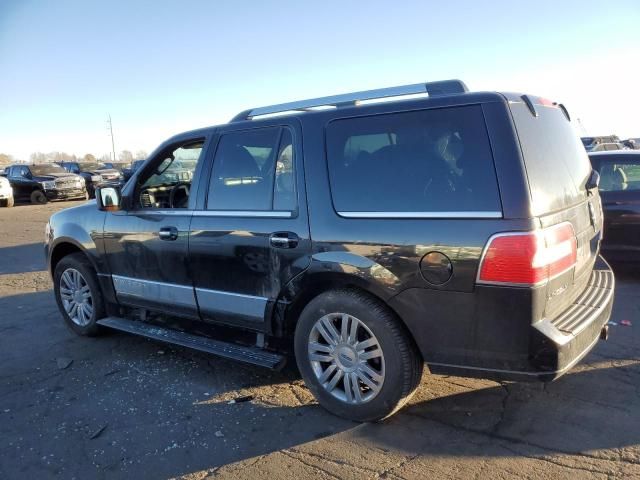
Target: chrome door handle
168 233
284 240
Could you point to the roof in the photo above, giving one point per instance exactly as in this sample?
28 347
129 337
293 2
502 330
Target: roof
439 93
432 89
604 153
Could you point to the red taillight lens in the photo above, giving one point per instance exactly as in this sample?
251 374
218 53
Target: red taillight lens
529 258
546 102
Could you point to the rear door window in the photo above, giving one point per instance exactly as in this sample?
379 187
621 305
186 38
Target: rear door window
253 171
434 161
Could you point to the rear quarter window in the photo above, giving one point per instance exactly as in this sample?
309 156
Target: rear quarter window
430 161
556 162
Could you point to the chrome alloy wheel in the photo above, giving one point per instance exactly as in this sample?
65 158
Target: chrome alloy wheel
76 297
346 358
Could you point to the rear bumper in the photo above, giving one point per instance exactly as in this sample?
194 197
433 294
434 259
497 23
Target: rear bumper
546 351
560 343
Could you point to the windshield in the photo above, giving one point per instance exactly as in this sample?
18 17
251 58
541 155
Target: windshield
46 169
87 167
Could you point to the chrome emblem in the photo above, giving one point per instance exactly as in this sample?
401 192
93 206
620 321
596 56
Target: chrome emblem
558 291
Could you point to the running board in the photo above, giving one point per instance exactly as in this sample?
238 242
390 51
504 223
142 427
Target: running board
252 355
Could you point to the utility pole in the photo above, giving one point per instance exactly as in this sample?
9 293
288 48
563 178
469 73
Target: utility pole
584 130
113 147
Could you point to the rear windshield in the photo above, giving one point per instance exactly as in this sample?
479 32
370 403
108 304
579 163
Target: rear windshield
556 162
436 160
618 172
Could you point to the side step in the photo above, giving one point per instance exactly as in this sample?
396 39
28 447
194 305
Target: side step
252 355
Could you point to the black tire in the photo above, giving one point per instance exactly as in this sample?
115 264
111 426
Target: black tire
79 262
403 364
38 197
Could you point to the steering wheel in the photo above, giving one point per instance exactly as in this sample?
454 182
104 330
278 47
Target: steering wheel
182 200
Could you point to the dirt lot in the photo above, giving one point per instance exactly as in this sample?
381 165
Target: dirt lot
124 407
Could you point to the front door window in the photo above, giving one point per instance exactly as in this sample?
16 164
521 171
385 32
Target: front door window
168 183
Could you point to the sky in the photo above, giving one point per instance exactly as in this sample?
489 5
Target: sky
161 67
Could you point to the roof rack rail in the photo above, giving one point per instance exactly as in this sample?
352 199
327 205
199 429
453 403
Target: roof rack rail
444 87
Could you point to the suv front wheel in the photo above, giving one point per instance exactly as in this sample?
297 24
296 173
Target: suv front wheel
38 197
355 357
78 294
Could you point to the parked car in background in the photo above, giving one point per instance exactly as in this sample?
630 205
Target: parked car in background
620 193
6 193
128 172
607 147
460 230
120 166
93 174
591 142
44 182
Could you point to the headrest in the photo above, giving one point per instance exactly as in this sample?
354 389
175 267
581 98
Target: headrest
239 163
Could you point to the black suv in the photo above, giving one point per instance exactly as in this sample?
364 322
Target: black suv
620 191
93 174
44 182
453 228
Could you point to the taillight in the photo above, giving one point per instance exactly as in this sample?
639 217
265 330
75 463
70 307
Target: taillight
528 258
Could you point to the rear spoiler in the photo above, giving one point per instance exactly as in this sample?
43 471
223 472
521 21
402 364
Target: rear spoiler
531 103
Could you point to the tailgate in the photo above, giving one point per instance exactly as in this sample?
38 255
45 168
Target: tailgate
557 169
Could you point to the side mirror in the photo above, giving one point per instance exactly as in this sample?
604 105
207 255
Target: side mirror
109 199
594 180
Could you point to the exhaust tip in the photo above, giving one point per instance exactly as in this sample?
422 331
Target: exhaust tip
604 333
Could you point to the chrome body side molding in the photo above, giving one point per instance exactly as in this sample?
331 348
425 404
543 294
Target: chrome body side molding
226 303
211 302
152 291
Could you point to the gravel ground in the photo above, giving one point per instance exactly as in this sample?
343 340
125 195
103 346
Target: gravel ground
124 407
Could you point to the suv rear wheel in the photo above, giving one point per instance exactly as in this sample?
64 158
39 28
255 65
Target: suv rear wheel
355 357
78 294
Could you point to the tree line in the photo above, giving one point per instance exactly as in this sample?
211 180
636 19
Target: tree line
125 156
